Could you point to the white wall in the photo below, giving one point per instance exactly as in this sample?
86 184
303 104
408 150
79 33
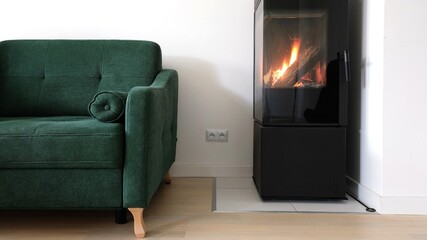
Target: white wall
209 42
365 157
387 166
405 114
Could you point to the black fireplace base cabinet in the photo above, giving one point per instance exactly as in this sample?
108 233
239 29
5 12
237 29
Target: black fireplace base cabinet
300 162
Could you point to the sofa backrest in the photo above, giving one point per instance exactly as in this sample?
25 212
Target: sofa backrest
60 77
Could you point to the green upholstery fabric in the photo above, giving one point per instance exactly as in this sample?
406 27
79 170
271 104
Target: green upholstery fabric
148 151
53 154
60 142
60 188
108 106
60 77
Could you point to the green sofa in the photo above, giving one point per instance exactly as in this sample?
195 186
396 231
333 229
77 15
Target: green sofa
55 155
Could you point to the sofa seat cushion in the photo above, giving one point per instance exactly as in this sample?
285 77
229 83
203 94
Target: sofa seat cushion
60 142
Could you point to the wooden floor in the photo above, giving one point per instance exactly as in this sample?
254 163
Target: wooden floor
182 210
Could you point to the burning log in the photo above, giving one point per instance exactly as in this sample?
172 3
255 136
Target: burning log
306 61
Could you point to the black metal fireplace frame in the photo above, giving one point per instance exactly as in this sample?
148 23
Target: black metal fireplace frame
303 157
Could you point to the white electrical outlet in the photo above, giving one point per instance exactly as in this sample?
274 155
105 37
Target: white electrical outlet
210 135
217 135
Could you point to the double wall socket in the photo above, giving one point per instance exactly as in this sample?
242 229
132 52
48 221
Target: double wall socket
216 135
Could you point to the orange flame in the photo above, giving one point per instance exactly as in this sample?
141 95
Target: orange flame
299 84
295 50
278 73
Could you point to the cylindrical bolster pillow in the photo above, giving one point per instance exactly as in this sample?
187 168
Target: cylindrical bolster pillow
108 106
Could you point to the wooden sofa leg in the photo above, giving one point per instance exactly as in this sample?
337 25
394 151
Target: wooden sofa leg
138 221
167 178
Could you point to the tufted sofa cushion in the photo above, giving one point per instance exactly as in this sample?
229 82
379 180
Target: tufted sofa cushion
60 77
60 142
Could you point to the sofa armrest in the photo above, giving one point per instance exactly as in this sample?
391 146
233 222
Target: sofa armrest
150 126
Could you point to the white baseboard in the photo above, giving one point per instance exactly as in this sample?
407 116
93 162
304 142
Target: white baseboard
404 205
364 194
207 170
387 205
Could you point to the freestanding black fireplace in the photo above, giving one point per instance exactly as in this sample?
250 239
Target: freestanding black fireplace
301 74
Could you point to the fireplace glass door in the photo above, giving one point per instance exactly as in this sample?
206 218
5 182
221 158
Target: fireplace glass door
299 68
